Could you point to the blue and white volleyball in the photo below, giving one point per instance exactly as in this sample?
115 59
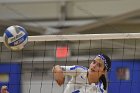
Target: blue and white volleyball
15 37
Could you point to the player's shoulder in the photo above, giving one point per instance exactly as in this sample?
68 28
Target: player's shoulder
78 67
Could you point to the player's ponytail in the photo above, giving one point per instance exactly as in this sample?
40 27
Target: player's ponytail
107 67
104 81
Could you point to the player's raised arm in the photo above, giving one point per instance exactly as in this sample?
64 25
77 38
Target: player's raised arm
61 71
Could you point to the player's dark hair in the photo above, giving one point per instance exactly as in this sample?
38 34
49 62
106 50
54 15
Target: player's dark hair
104 81
103 78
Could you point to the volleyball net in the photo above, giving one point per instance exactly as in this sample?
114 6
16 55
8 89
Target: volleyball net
43 52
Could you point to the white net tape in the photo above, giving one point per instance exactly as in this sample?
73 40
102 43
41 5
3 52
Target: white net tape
83 37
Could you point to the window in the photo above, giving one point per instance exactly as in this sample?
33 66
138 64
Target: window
123 73
4 78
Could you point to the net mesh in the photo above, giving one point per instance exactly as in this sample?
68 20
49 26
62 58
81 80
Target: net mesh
41 53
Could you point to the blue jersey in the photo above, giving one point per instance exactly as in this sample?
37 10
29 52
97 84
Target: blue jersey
79 82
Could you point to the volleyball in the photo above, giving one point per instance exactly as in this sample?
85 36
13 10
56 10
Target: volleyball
15 37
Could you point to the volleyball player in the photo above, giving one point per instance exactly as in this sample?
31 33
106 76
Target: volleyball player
4 89
85 80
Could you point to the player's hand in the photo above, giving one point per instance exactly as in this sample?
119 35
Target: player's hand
4 89
58 75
